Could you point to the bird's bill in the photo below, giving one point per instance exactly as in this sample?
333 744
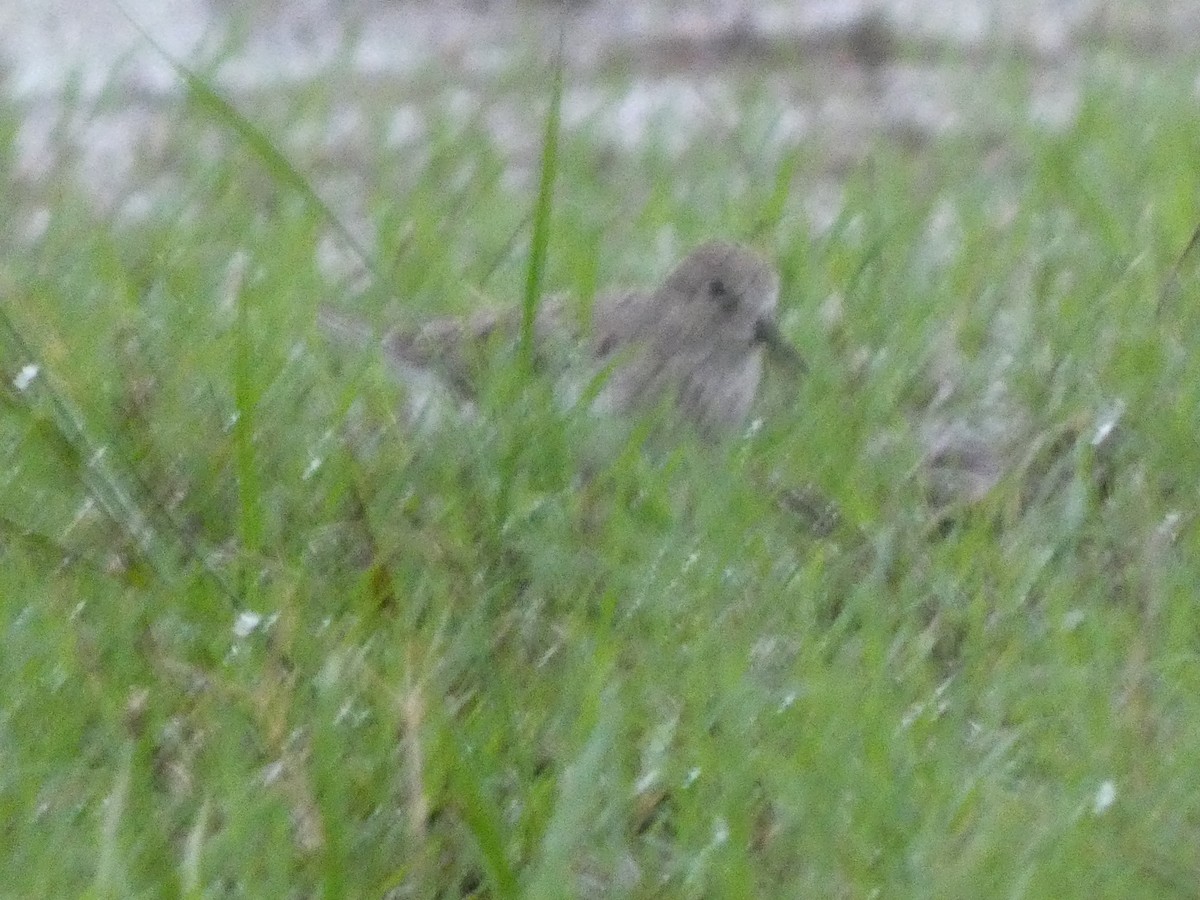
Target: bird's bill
768 334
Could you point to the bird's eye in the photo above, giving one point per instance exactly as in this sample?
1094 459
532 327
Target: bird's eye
721 295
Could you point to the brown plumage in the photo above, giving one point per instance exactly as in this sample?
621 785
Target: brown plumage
697 340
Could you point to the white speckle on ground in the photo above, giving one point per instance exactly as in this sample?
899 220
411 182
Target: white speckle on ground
24 378
246 623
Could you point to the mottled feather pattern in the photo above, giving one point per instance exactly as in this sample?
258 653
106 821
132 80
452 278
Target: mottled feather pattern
698 340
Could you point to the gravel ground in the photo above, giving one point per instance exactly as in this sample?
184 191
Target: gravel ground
840 72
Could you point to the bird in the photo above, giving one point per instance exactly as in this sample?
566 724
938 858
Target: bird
696 343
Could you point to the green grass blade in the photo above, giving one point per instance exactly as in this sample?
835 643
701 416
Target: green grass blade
540 240
91 458
1171 284
110 875
108 479
273 159
776 204
246 399
579 796
482 817
191 866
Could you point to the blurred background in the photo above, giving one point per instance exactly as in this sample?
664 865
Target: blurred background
836 74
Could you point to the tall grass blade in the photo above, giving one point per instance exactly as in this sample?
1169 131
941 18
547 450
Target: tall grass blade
246 399
540 240
578 798
482 817
91 458
191 868
1171 284
776 204
272 158
109 871
115 487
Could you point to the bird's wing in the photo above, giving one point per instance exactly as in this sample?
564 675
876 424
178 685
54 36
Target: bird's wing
619 319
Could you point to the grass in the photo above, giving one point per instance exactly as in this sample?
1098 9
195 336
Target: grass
474 671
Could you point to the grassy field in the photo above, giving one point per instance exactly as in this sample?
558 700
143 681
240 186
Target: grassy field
260 638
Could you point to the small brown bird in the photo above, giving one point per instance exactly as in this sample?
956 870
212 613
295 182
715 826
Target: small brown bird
697 341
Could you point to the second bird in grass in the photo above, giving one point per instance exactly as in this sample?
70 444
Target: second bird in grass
697 341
